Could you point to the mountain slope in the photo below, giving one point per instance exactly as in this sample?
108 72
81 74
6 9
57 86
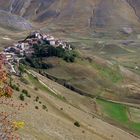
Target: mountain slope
89 13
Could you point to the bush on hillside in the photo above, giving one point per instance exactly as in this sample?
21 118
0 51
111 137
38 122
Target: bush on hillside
25 92
77 124
21 97
37 99
15 87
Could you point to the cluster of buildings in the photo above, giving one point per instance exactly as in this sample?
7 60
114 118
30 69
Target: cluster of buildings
38 38
12 54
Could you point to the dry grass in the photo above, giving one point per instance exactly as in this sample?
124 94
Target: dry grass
58 121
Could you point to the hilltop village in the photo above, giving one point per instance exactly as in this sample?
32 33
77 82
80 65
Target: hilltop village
24 48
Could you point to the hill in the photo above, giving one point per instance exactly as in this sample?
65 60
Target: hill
93 94
102 14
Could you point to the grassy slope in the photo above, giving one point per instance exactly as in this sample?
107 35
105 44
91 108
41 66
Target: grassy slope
114 111
92 77
118 113
42 87
57 123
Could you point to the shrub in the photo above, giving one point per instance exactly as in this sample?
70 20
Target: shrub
29 96
36 88
44 107
83 131
15 87
37 99
77 124
61 108
69 56
36 107
21 97
24 91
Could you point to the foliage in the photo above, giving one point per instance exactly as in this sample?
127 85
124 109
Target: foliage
45 50
25 92
36 107
19 124
77 124
36 63
15 87
44 107
21 97
21 68
68 56
48 50
37 99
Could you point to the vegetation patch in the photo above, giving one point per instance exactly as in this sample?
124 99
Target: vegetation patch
44 107
118 113
15 87
22 97
36 107
37 99
112 74
40 86
37 84
77 124
44 51
25 92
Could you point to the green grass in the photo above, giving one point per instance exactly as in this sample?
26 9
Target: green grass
37 84
112 74
118 113
135 127
42 87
